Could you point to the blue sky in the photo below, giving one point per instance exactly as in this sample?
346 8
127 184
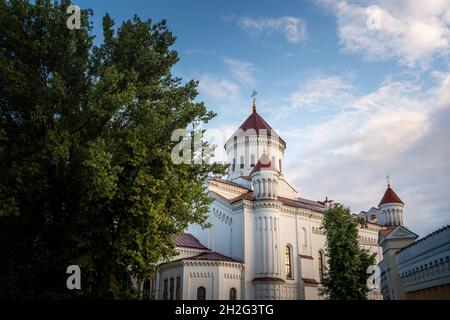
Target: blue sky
356 93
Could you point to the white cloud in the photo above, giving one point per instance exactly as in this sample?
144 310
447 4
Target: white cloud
292 28
222 95
412 32
400 129
241 71
321 92
216 88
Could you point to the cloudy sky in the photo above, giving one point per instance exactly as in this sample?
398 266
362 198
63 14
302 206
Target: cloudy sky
358 89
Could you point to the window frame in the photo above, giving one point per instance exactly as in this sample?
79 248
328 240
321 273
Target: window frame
288 262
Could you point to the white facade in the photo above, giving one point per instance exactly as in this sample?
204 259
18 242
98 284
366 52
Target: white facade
265 241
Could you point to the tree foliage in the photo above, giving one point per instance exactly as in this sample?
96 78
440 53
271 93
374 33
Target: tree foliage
345 278
86 175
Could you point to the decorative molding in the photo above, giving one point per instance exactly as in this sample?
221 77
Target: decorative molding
201 274
232 276
213 263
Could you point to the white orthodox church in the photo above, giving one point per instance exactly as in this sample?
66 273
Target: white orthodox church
266 241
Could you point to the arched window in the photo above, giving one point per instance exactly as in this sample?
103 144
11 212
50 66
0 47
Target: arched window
287 262
232 294
201 293
305 237
321 264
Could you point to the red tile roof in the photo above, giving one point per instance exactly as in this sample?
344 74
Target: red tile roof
303 203
187 240
211 256
257 123
245 196
390 197
264 163
386 232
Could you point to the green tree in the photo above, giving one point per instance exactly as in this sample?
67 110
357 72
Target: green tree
345 277
86 175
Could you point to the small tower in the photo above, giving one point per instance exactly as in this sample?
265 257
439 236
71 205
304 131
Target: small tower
265 179
267 251
390 209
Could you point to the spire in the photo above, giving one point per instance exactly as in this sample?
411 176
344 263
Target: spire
388 179
254 100
390 196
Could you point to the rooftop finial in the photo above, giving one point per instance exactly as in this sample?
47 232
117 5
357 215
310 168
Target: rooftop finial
254 93
388 179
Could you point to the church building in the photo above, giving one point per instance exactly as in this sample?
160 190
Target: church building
266 240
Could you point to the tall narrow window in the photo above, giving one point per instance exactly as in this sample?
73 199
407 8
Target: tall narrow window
201 293
279 165
146 289
252 160
178 289
166 290
273 161
287 262
321 266
232 294
171 289
305 237
234 164
241 164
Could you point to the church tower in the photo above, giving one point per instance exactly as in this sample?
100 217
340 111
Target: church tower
268 270
252 139
390 209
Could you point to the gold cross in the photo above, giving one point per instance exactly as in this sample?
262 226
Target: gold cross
254 93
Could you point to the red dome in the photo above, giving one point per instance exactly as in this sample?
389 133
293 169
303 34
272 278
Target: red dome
390 197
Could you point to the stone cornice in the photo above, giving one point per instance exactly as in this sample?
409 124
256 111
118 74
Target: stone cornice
227 187
213 263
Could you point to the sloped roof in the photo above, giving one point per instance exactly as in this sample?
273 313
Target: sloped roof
264 163
187 240
386 232
390 197
212 256
257 123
